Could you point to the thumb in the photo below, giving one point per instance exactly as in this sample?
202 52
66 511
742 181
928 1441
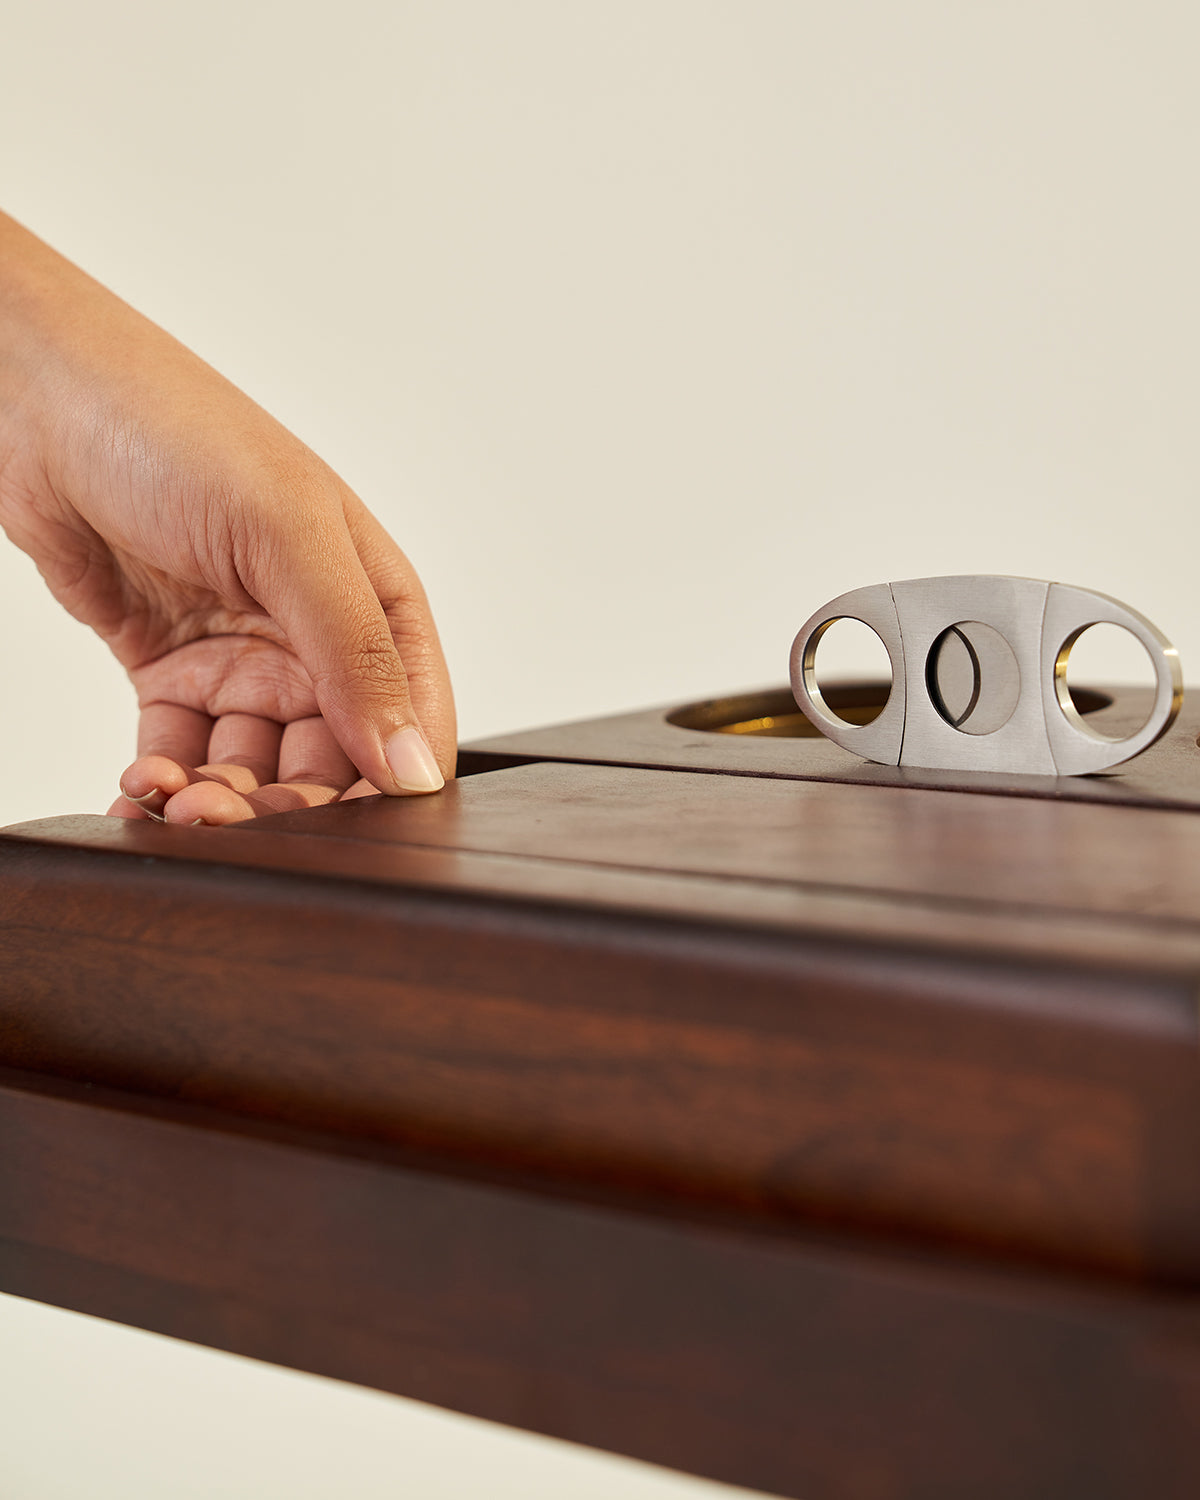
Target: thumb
316 588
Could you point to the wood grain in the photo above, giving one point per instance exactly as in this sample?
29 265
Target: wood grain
816 1369
835 1138
1002 1100
1016 853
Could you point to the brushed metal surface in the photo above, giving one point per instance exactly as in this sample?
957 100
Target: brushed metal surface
972 678
880 740
979 675
1077 747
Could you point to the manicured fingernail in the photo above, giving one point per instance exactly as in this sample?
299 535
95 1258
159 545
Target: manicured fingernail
145 797
198 823
151 802
411 762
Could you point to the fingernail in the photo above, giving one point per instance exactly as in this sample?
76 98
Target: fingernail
411 762
145 797
151 802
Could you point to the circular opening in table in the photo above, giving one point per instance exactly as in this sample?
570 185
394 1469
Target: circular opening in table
772 713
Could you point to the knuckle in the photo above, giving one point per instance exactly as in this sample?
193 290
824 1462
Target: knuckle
369 663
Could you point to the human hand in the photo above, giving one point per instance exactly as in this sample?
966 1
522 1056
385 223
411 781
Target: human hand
279 641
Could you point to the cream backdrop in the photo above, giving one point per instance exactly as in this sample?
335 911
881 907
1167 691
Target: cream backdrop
646 326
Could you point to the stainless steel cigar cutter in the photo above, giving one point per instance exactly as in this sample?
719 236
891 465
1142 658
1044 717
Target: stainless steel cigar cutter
979 675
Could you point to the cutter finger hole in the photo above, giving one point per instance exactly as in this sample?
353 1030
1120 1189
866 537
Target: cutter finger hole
1105 652
842 649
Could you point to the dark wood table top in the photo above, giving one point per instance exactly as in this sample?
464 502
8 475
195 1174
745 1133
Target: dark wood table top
834 1136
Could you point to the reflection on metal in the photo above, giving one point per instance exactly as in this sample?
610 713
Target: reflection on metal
972 678
772 713
979 678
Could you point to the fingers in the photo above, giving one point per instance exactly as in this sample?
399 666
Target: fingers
338 628
171 736
263 768
180 747
410 619
309 753
313 769
124 808
345 654
243 756
360 789
213 803
152 781
173 731
244 751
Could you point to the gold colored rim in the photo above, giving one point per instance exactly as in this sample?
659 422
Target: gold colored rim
1075 704
772 712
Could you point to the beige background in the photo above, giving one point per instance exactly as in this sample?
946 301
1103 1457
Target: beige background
646 327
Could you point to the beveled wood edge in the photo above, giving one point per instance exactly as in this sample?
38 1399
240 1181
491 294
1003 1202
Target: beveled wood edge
1164 948
826 1244
283 1315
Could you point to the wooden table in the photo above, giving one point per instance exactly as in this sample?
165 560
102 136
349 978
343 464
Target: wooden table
711 1098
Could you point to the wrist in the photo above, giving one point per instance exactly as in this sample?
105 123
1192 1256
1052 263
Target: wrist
26 354
55 326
